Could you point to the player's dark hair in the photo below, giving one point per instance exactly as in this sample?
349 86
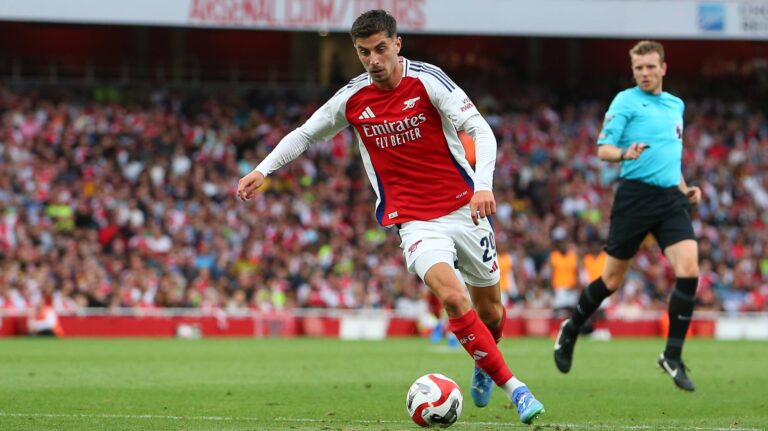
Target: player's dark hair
372 22
646 47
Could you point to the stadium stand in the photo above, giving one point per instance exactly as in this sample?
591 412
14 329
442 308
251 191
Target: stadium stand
125 198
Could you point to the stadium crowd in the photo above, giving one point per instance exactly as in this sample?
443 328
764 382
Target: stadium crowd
126 199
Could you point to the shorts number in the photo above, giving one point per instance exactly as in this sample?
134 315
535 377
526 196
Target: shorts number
490 247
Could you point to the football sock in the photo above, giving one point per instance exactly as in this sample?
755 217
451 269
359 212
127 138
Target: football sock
477 340
681 304
498 330
589 301
510 386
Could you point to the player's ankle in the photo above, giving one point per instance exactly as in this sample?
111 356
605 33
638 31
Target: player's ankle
510 386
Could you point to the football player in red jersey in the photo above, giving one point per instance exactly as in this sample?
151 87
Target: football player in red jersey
405 116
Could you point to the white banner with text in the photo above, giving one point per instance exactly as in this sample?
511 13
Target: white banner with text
678 19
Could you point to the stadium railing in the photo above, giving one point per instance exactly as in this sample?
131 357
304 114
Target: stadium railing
356 324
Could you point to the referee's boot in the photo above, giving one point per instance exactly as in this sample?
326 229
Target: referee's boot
564 344
676 369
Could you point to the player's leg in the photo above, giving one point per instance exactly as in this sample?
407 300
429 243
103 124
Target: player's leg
675 236
589 301
624 238
442 281
595 293
479 267
430 253
487 303
464 321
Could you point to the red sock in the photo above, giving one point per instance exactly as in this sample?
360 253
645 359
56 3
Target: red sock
478 342
498 331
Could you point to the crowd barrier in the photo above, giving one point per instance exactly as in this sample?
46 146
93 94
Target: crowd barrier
357 324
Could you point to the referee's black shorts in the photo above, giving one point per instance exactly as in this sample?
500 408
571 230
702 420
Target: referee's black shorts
640 209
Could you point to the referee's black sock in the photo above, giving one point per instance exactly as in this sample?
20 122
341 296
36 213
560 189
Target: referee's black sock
681 304
589 301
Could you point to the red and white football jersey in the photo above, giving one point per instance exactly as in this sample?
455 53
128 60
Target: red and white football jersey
407 139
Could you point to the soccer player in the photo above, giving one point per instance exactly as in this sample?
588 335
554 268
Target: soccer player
405 115
643 130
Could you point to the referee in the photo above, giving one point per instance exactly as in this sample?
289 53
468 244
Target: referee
643 130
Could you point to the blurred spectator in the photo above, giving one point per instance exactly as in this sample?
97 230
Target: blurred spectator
593 262
563 269
43 320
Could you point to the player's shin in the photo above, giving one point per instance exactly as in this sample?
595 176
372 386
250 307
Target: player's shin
589 301
681 304
477 340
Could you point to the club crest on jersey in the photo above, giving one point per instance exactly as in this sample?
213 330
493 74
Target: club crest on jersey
410 103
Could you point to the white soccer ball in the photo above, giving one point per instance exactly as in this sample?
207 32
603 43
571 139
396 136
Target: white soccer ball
434 400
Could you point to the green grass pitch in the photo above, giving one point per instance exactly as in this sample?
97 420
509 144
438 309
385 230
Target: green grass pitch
327 384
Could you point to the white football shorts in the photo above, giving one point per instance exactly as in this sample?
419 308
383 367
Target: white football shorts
455 240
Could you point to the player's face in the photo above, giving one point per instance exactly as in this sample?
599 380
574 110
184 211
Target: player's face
378 53
649 71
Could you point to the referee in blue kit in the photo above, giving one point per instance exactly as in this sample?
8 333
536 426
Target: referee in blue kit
643 130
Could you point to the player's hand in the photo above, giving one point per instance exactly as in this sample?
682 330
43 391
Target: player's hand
248 185
482 205
693 194
634 151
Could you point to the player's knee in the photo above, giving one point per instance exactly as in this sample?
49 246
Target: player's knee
613 280
688 270
455 303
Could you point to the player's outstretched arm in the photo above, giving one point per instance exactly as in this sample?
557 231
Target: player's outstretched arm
290 147
323 124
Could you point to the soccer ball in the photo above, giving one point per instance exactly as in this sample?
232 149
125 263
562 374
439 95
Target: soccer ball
434 400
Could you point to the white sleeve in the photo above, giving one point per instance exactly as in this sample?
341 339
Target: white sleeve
485 151
323 124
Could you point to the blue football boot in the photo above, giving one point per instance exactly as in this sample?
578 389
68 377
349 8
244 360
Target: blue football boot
482 385
528 407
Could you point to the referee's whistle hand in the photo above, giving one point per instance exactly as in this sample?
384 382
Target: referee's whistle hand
634 151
